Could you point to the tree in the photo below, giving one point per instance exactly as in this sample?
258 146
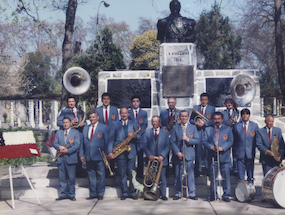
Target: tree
144 51
216 40
145 24
36 73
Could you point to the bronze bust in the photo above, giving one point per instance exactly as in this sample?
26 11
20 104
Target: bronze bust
175 28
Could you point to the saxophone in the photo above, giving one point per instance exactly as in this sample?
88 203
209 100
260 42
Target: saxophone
119 149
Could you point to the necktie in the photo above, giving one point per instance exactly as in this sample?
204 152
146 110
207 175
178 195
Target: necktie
65 135
155 133
73 113
92 133
125 123
171 118
244 128
217 135
156 142
269 136
136 114
202 112
106 116
229 113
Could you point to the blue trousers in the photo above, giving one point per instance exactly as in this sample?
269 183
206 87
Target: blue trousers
125 166
163 184
226 183
190 177
96 176
66 174
247 165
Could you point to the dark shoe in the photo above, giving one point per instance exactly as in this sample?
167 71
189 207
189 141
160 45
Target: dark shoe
193 198
226 199
91 197
263 200
123 198
134 197
164 198
100 197
176 197
60 198
72 198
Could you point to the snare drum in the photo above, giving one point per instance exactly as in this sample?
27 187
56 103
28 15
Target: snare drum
244 191
273 186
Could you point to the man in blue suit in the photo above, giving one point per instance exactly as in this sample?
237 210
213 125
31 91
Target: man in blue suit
170 115
264 138
156 143
68 160
244 143
107 113
125 161
76 115
184 133
95 140
231 112
219 139
140 116
206 110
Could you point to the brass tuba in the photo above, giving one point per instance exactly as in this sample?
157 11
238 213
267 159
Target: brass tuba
151 179
243 89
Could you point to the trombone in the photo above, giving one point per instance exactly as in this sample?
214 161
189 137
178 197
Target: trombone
184 174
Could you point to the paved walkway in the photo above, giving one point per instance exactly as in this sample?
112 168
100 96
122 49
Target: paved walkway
130 206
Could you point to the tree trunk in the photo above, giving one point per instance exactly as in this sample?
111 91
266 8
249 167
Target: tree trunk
279 46
67 46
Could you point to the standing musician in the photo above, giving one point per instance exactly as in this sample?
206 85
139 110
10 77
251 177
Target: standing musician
107 113
207 111
76 115
156 143
244 143
95 139
264 138
219 139
230 118
187 134
125 161
170 115
140 116
68 160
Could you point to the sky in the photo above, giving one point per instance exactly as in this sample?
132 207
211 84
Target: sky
130 10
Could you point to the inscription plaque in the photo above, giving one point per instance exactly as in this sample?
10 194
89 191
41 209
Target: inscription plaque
178 81
122 90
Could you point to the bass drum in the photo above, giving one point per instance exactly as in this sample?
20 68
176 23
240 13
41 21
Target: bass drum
273 186
245 191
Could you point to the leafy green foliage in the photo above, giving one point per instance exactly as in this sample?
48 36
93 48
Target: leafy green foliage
216 40
144 52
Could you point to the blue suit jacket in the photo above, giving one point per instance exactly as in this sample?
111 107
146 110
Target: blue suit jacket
141 119
117 135
99 141
245 146
164 116
226 116
210 110
113 115
71 156
177 142
149 144
66 112
225 141
263 144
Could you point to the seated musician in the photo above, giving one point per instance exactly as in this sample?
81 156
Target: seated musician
156 143
140 116
76 115
219 139
187 134
95 137
206 110
264 138
125 161
68 160
244 143
169 115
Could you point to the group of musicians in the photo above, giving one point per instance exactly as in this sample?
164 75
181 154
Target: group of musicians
217 139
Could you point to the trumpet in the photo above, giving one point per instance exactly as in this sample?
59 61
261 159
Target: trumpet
199 116
234 120
152 174
106 162
58 154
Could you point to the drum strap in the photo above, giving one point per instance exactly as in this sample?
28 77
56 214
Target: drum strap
272 178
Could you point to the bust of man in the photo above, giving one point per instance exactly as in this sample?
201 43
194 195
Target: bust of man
175 28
